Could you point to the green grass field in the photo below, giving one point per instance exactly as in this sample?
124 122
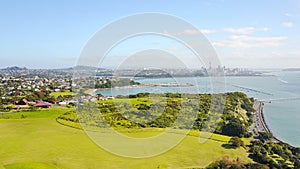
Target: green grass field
29 165
56 94
38 141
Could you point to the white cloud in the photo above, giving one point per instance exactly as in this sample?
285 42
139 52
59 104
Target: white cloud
196 32
192 32
244 30
287 24
208 31
288 14
259 59
244 41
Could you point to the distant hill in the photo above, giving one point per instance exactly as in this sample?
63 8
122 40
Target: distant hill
292 69
15 68
81 67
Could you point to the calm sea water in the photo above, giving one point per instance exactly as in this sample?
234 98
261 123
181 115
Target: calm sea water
283 90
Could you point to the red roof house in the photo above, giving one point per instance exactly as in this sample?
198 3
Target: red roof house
42 104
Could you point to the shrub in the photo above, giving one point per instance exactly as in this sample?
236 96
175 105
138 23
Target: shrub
236 142
23 116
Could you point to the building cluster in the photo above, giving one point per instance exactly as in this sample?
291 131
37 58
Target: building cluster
20 86
19 92
23 92
182 72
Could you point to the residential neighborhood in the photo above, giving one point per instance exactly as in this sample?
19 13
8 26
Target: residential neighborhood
22 88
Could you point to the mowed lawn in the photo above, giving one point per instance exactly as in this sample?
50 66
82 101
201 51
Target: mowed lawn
65 93
38 141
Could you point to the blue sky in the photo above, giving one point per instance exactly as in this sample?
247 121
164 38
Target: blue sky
52 33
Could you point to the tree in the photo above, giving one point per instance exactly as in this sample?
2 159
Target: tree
225 163
263 136
143 107
236 142
234 128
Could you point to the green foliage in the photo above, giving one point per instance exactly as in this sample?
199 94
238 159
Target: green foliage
139 112
142 95
64 94
226 163
236 142
173 95
116 83
263 136
6 108
234 127
275 155
69 116
23 116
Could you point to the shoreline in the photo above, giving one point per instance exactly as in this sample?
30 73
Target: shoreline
260 124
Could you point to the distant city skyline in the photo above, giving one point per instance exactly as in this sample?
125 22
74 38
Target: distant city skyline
247 34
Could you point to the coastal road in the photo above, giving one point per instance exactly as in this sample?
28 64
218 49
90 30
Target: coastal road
259 120
259 124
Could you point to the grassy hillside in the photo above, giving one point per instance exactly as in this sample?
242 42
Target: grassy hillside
37 141
29 165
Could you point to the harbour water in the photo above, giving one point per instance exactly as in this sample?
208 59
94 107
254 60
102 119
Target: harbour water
280 91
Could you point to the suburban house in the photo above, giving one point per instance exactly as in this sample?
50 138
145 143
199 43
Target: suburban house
24 103
42 104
